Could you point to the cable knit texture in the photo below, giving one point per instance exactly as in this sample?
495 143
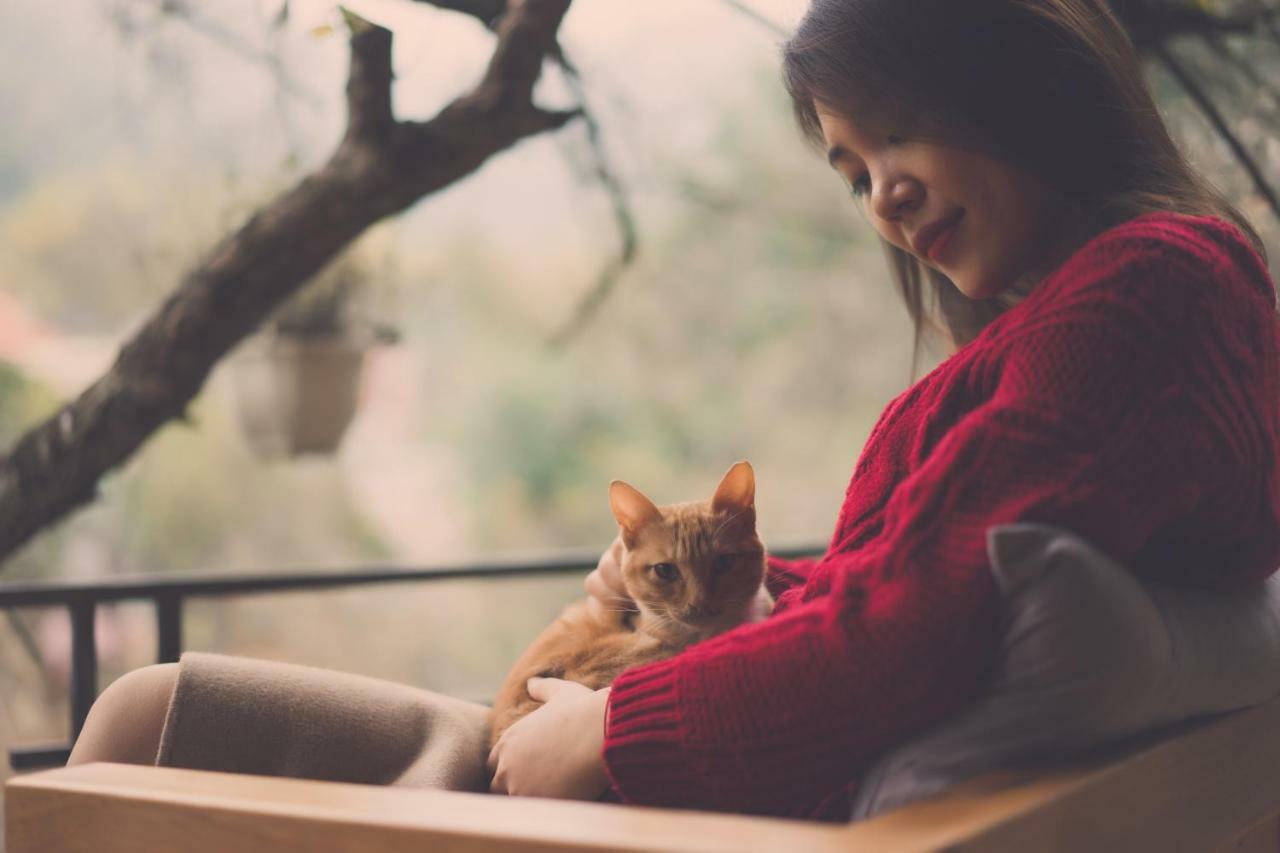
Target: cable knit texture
1132 398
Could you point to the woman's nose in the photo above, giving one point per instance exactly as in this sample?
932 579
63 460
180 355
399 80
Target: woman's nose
891 197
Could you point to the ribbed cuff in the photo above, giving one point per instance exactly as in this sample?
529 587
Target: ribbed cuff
643 751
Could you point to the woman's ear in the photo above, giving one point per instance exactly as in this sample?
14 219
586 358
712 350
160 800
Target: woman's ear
632 510
737 490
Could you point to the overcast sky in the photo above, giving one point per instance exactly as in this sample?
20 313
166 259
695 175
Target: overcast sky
94 84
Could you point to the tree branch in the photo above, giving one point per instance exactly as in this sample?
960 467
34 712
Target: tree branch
742 8
489 13
369 117
1152 23
178 10
381 167
486 12
1211 112
608 278
1219 47
523 43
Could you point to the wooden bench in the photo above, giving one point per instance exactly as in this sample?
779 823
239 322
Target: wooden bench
1210 786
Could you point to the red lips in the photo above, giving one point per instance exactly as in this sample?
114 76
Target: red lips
924 239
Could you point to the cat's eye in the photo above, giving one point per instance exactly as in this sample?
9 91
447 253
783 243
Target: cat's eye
665 571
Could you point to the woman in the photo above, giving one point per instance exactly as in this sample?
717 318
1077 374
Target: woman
1114 371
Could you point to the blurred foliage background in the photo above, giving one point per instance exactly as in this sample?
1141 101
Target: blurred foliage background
757 322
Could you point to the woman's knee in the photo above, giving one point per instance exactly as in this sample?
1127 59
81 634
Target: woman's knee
126 720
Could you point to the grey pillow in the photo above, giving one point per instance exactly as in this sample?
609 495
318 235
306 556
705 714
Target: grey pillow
1090 655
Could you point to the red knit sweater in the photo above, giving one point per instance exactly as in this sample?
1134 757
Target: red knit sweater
1132 398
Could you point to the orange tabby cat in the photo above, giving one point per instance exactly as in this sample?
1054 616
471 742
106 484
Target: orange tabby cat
693 570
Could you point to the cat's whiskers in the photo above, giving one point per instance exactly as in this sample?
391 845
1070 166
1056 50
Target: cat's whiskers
669 624
656 616
659 618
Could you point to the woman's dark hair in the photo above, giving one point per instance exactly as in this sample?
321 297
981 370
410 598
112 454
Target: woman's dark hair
1052 86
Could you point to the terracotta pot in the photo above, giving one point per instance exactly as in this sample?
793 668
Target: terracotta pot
296 395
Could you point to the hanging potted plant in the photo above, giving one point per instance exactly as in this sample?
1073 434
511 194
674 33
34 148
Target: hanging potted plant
297 382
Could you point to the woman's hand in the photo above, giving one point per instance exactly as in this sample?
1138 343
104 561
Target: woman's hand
605 585
555 751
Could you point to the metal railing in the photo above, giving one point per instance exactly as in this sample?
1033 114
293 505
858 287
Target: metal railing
168 594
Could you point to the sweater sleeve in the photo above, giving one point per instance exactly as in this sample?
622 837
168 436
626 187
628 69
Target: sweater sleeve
782 716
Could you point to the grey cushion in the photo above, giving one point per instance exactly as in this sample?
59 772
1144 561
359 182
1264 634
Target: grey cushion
1090 655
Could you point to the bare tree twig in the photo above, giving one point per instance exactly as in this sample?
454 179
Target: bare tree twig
280 96
178 10
608 277
590 304
489 13
1215 117
741 7
1153 23
1269 24
1220 49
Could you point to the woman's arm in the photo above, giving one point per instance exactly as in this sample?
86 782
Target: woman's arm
781 717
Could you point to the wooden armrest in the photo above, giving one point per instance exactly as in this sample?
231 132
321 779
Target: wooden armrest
1193 790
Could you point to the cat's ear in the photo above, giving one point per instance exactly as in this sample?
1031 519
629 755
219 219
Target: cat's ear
737 490
631 508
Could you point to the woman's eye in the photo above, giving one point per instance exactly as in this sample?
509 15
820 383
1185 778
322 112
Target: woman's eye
666 571
862 186
722 563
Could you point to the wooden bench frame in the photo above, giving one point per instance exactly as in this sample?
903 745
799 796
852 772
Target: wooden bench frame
1213 785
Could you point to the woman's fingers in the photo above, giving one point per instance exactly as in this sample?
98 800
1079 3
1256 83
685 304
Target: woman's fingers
497 774
596 587
605 581
491 763
610 567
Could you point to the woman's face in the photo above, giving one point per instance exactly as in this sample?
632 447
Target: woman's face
1005 227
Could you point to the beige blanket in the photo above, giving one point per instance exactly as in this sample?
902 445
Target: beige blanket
246 715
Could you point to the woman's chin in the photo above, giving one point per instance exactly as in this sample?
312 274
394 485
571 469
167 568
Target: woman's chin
979 291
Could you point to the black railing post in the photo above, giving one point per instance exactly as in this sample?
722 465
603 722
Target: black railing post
169 628
84 662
